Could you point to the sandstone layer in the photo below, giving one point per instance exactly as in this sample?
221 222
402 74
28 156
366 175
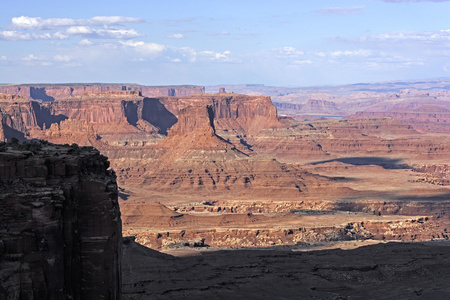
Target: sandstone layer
229 157
51 92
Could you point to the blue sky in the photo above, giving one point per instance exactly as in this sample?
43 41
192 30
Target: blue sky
283 42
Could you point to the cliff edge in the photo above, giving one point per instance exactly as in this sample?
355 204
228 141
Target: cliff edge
60 225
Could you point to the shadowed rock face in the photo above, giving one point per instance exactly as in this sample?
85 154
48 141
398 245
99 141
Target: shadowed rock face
60 225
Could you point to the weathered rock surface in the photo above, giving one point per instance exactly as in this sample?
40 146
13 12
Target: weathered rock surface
425 111
51 92
425 119
232 150
195 158
239 113
60 232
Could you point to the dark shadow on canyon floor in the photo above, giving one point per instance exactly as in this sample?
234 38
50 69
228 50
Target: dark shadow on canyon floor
385 162
382 271
437 197
375 196
341 178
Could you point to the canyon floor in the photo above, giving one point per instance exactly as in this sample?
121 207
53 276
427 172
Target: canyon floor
382 271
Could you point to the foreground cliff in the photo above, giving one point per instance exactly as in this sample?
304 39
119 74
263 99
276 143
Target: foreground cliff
60 224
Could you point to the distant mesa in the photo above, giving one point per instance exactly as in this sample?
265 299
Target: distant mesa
51 92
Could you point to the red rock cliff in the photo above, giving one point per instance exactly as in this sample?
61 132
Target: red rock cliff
231 111
49 92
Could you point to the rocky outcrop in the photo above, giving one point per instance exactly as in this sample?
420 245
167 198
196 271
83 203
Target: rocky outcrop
239 113
433 173
194 118
318 106
412 229
60 224
63 91
427 118
76 131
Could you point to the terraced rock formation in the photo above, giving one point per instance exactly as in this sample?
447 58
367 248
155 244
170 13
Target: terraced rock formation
51 92
229 157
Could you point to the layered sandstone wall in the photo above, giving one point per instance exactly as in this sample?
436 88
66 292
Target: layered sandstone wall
58 92
60 224
124 113
435 120
239 113
225 105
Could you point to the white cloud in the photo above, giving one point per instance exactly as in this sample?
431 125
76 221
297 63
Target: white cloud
11 35
176 36
31 57
188 53
113 20
219 33
289 52
36 23
42 60
175 54
86 31
108 27
31 60
373 59
341 10
401 36
446 68
3 58
149 49
85 42
360 52
213 56
302 62
64 58
79 30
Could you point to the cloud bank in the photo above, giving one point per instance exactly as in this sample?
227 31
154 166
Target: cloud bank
29 23
100 27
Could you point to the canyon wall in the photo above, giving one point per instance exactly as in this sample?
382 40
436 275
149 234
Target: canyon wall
234 112
129 112
428 118
63 91
60 224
